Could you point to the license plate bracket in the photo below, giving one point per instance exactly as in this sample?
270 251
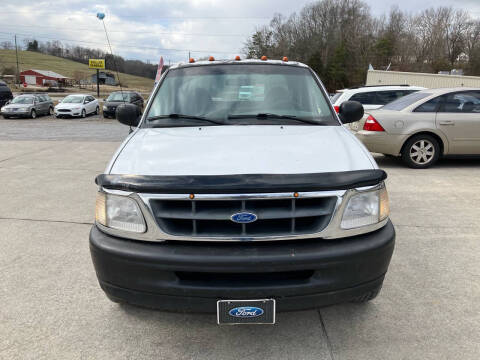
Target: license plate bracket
236 312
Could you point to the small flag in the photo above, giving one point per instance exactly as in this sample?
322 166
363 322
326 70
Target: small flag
159 70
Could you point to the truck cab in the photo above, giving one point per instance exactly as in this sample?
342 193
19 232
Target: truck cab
240 193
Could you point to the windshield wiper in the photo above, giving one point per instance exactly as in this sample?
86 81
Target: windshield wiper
183 116
274 116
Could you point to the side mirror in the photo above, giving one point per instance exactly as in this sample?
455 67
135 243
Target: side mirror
128 114
350 111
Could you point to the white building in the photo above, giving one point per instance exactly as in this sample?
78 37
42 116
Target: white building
432 81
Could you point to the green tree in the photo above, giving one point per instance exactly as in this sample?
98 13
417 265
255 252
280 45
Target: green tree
32 45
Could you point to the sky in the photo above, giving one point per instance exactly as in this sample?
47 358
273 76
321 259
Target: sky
148 29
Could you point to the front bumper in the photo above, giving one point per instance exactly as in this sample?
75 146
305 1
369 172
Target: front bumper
110 113
184 276
72 113
16 113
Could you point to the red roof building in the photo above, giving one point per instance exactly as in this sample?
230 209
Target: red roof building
41 77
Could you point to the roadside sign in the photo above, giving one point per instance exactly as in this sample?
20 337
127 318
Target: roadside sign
96 63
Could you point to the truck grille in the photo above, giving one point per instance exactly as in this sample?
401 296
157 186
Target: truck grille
212 218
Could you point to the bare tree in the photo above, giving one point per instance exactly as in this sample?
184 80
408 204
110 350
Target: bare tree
6 45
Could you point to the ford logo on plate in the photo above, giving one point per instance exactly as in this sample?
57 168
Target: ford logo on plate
243 217
246 312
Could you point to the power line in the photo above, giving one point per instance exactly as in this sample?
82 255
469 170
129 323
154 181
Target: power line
118 45
129 32
181 18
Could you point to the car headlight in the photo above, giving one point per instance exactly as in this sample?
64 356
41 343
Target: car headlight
366 208
119 212
77 108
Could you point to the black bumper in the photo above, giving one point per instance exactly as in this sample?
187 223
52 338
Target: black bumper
187 276
109 113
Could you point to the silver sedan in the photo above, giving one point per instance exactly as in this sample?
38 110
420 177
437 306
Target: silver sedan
422 127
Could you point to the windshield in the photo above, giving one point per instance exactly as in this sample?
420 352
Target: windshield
242 94
73 99
23 100
335 97
404 101
118 97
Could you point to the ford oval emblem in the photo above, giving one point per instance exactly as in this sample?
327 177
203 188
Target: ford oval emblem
246 312
243 217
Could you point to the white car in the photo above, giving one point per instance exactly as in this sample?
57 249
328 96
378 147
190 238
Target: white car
372 97
77 105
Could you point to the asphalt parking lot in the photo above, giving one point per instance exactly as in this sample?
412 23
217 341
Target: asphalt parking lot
51 306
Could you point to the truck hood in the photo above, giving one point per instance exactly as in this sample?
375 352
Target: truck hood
228 150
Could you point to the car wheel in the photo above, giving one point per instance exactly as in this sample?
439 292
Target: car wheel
84 113
33 114
421 151
97 111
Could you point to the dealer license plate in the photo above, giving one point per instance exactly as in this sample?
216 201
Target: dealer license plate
233 312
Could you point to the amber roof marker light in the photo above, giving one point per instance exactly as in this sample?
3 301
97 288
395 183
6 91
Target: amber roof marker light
191 196
191 60
211 58
295 194
285 59
237 58
264 58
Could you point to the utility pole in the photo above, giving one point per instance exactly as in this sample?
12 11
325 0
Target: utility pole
17 78
98 83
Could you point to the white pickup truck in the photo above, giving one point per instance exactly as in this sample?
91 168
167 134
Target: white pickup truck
241 205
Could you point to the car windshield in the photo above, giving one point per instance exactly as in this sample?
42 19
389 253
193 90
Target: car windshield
335 97
240 94
118 97
404 101
73 99
23 100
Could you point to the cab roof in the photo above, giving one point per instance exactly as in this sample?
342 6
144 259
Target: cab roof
235 62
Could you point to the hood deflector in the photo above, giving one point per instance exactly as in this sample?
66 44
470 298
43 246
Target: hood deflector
241 183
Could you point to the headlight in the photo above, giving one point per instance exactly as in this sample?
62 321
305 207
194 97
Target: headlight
24 109
119 212
366 208
77 108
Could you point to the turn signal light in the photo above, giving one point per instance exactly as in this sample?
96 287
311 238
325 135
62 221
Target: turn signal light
192 60
237 58
371 124
264 58
285 58
337 108
211 58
